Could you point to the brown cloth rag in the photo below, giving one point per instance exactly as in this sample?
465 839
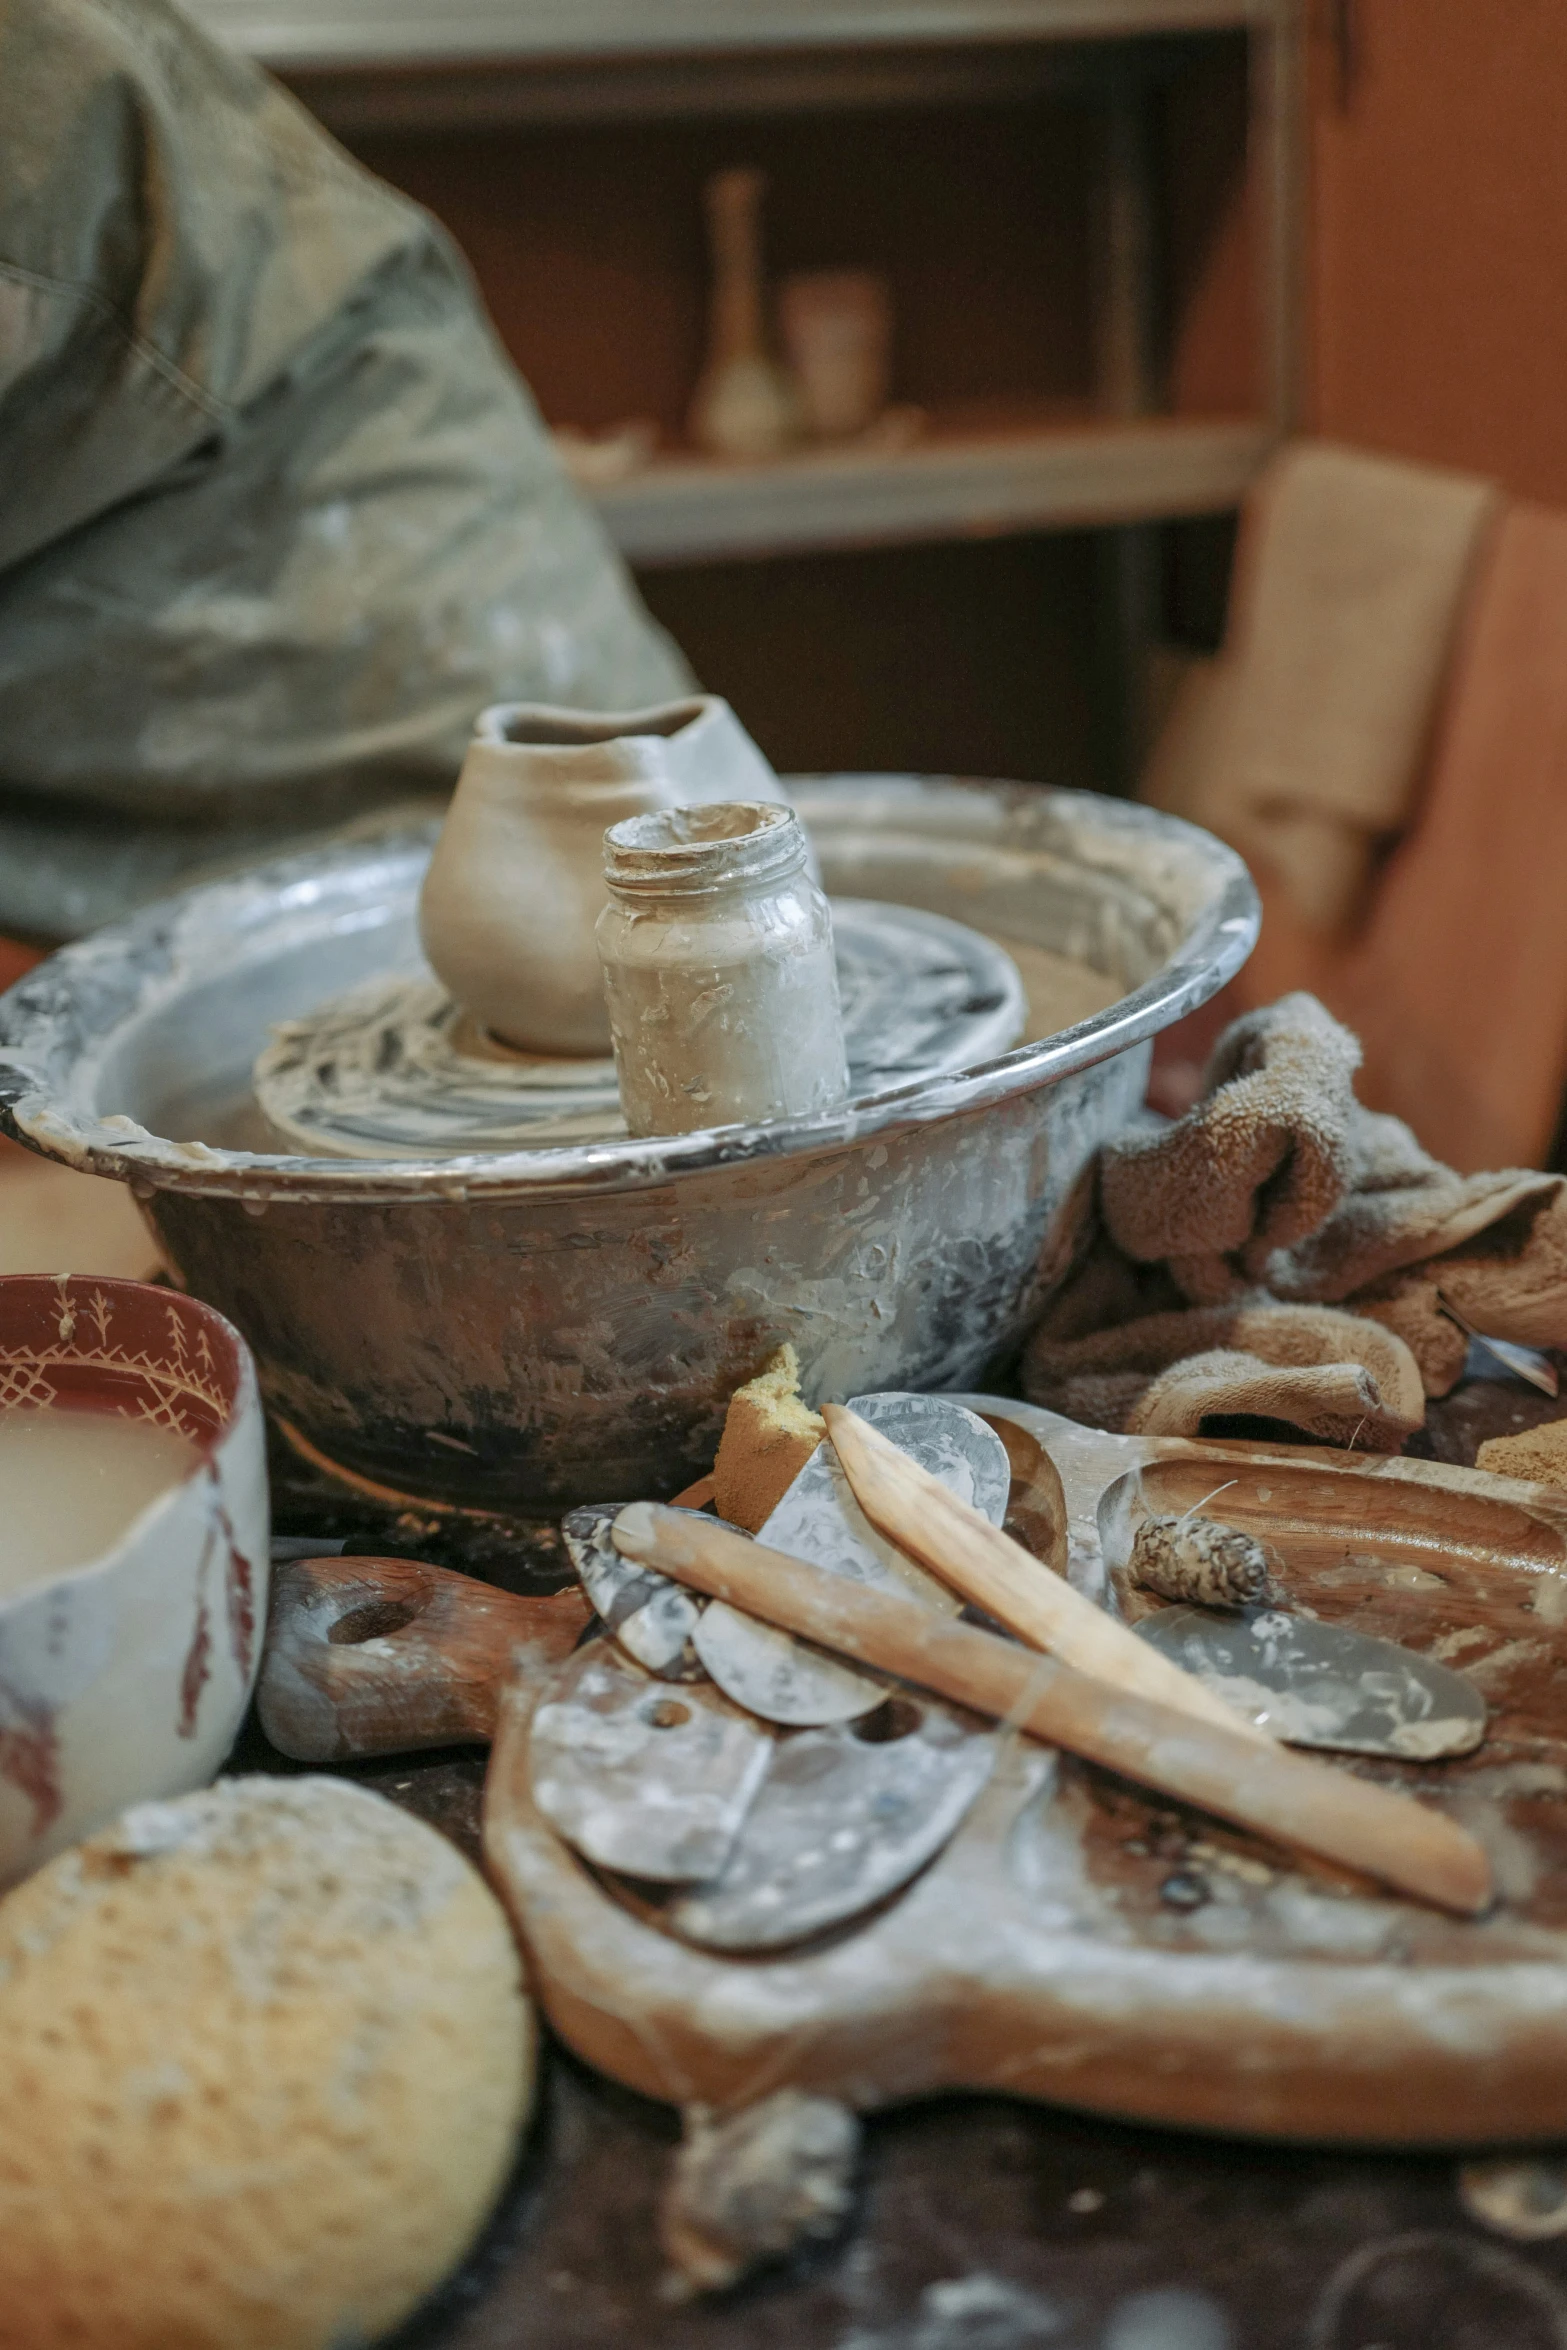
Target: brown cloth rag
1276 1193
1303 743
1277 1179
1337 1376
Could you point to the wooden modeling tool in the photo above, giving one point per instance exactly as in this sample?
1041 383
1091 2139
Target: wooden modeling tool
983 1564
1214 1765
817 1518
1309 1684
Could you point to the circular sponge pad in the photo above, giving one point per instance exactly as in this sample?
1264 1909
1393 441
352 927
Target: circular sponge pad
264 2056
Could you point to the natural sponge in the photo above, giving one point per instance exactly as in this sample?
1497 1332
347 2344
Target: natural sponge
769 1435
264 2055
1539 1454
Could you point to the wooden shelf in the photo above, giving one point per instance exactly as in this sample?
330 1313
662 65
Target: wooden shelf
439 92
686 510
305 34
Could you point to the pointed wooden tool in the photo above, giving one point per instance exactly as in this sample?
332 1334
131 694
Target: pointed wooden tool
1220 1769
977 1559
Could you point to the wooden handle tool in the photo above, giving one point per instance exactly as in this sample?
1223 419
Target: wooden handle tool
1253 1782
919 1513
381 1656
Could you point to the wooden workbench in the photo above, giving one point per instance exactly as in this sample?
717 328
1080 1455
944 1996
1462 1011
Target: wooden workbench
985 2224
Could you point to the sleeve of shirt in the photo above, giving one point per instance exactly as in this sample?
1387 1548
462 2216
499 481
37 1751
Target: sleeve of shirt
277 516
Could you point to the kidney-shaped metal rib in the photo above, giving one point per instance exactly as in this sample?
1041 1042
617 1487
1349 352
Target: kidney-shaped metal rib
1315 1684
846 1815
652 1781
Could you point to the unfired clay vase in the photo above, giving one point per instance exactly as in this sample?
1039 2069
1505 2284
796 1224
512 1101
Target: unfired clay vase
128 1678
516 883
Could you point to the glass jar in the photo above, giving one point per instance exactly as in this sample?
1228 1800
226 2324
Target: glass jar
719 974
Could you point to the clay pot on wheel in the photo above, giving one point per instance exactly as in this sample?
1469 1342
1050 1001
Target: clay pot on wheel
516 883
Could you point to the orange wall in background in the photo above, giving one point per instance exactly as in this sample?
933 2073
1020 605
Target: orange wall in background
1439 236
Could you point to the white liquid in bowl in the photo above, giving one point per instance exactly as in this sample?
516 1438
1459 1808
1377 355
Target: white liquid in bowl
71 1482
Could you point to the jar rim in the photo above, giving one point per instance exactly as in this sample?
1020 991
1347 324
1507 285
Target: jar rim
708 845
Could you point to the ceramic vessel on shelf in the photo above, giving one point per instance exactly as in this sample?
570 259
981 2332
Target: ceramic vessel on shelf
719 971
516 883
837 331
124 1677
744 405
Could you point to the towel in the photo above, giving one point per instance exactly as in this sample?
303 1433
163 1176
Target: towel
1282 1252
1510 1281
1338 1377
1457 982
1303 745
1278 1179
1459 987
1260 1161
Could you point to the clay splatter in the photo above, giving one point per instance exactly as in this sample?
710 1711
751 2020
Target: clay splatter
30 1754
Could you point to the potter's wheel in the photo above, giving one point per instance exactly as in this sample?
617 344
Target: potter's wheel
395 1068
523 1331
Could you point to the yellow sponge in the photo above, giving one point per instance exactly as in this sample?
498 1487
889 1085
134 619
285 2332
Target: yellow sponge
769 1435
264 2055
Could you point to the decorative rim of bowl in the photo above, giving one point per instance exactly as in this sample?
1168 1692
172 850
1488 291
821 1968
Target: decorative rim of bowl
200 1372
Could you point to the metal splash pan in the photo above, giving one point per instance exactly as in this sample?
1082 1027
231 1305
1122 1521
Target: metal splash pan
523 1330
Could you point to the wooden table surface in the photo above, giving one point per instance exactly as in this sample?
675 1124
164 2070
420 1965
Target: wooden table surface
983 2223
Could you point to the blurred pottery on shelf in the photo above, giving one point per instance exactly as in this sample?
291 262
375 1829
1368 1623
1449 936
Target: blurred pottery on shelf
837 331
744 406
516 883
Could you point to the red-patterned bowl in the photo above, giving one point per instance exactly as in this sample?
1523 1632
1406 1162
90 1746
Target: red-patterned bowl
129 1677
